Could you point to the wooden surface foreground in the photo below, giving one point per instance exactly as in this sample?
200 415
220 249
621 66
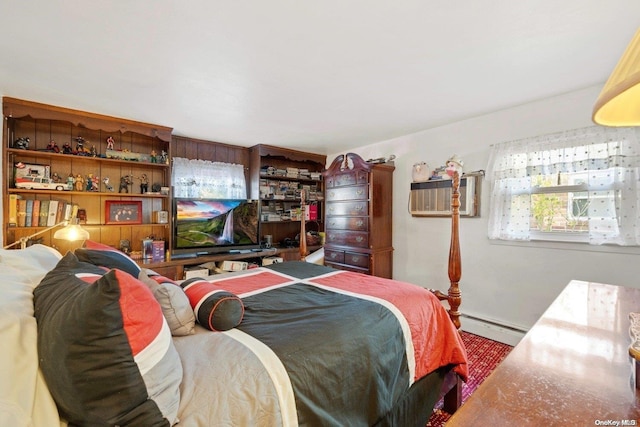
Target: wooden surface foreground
572 368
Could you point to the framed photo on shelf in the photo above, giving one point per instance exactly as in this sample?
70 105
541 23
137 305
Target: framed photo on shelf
123 212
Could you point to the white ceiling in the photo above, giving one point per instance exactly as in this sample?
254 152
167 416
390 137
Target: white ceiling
322 76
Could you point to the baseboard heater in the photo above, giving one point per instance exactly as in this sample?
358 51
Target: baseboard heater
495 323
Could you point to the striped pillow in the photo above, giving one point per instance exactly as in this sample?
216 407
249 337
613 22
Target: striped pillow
216 309
174 303
105 349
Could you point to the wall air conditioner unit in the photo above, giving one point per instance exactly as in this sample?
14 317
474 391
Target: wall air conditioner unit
433 198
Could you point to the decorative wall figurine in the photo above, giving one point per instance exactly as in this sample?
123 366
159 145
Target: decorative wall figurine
108 186
110 142
144 183
53 147
22 143
79 182
125 182
66 148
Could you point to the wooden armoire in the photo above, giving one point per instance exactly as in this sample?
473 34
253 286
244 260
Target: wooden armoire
358 221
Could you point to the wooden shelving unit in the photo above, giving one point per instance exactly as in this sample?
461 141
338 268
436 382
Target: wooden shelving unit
44 124
280 200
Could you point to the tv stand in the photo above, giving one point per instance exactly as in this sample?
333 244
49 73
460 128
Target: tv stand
174 268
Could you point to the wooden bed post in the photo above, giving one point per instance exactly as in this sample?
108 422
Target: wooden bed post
455 263
303 233
453 295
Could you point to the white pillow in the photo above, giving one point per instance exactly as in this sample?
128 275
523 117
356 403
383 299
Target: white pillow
24 396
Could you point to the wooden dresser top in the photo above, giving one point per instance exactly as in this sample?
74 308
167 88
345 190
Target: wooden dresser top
572 368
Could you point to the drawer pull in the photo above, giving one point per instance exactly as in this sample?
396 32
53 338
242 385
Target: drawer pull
355 259
360 192
331 209
359 223
331 194
333 256
332 236
332 223
359 239
359 207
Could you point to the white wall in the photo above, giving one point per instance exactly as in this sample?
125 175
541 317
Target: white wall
509 283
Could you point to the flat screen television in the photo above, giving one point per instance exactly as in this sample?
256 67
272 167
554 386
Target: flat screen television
208 226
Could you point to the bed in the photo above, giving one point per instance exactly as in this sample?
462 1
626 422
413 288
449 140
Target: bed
289 344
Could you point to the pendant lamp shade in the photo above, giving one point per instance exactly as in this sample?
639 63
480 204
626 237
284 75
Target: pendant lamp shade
619 101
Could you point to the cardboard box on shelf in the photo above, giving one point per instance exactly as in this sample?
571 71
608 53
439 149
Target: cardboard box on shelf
233 265
272 260
190 272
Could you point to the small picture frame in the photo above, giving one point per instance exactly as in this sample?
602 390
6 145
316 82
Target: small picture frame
123 212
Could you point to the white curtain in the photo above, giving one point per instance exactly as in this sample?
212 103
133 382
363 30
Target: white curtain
205 179
609 156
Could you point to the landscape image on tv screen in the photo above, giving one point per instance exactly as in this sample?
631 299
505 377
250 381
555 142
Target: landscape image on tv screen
205 223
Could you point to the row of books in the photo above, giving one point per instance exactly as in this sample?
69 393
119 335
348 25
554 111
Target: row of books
39 213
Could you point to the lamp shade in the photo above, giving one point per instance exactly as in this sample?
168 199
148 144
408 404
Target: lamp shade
72 232
619 101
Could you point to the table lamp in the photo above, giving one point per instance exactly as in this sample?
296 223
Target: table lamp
72 232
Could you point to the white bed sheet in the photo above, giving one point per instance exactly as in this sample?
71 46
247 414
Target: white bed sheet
24 397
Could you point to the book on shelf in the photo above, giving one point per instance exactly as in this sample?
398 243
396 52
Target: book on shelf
35 214
60 212
68 208
53 211
21 213
13 210
44 213
29 213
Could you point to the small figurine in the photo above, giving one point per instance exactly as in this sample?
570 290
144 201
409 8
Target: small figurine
94 151
454 164
79 182
154 156
22 143
144 183
164 157
66 148
89 182
79 144
125 182
71 180
55 177
95 183
109 187
53 147
110 142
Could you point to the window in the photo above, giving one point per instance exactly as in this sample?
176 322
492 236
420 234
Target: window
205 179
580 186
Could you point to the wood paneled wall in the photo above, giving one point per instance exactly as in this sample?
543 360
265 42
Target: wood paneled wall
190 148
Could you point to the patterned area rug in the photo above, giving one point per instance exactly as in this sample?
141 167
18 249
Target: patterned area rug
484 355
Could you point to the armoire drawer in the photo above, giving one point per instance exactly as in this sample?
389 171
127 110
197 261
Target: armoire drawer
351 178
334 256
355 192
346 267
347 223
347 209
357 239
357 259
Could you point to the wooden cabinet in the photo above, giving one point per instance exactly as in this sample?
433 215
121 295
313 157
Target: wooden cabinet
69 143
358 198
277 176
